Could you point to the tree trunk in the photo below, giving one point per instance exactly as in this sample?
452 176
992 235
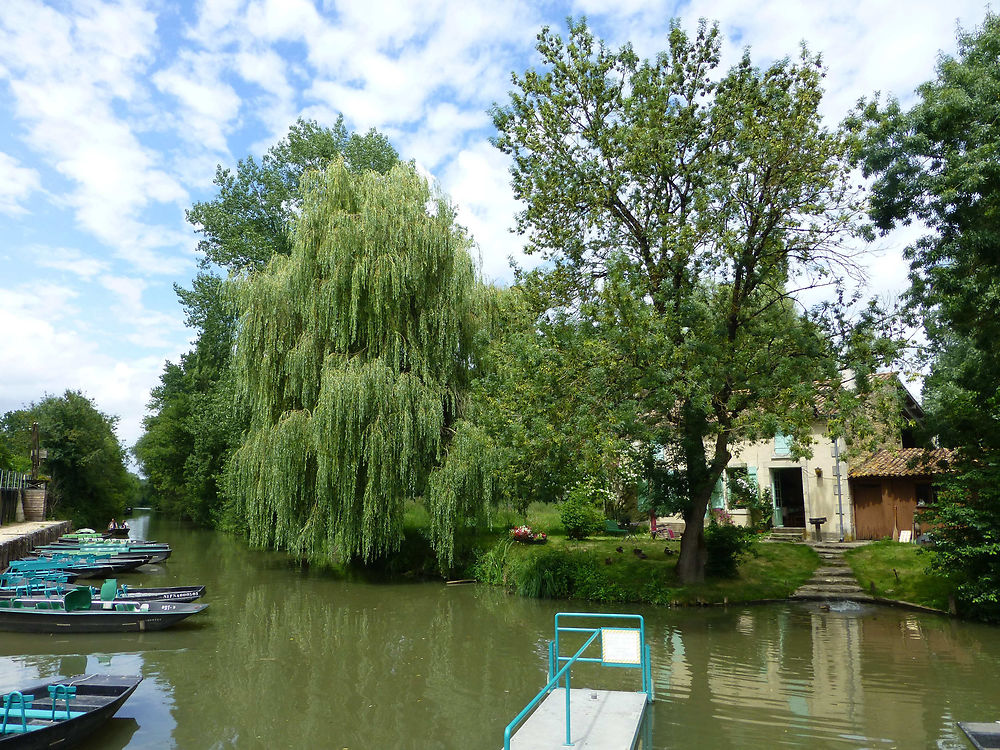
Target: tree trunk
694 553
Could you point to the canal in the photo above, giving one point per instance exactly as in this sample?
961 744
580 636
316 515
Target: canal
284 659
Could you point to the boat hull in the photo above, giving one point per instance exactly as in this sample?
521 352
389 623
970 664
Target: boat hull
102 695
141 594
159 616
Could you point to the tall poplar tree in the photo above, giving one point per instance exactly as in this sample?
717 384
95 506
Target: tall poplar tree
353 355
682 210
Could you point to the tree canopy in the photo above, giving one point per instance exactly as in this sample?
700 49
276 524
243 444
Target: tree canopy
936 164
86 464
681 211
353 359
193 424
251 217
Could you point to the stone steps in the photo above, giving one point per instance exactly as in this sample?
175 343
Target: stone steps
788 534
833 579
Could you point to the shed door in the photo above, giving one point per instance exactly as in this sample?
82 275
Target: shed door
870 518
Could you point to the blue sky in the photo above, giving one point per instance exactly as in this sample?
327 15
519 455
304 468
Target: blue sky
116 114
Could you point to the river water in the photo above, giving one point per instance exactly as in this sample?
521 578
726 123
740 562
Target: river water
286 659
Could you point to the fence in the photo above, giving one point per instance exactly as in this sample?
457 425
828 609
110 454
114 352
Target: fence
12 484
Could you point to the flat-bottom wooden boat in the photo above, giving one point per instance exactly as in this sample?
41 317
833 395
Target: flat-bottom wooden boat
48 589
75 612
63 712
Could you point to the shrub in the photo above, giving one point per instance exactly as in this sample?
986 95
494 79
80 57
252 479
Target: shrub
727 545
561 575
580 513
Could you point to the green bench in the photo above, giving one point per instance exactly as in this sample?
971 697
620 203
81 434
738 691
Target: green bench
611 528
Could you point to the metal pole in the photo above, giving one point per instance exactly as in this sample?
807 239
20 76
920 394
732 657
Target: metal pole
840 496
36 459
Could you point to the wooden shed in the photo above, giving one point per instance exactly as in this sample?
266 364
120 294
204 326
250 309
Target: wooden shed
889 486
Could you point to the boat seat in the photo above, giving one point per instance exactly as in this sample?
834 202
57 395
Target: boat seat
125 607
15 709
63 693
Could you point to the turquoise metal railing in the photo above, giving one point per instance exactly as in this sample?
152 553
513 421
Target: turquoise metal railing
562 673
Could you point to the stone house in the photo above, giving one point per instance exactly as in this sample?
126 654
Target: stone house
817 487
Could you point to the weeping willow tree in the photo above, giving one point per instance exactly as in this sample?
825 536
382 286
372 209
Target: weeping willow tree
353 357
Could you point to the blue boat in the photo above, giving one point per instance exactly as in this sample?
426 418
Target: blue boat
61 713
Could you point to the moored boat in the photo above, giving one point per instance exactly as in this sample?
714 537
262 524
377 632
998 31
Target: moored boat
75 612
61 713
83 567
27 587
157 552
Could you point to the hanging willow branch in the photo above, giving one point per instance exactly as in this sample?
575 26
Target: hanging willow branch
353 356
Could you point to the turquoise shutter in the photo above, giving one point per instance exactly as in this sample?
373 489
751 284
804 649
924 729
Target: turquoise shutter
717 497
752 473
782 444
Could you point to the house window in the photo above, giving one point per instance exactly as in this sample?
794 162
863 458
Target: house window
782 444
741 486
925 494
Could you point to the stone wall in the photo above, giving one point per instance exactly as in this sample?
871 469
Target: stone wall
17 540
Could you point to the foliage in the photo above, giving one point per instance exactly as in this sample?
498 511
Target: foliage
251 218
595 571
680 211
547 398
194 424
965 527
761 507
89 482
15 441
581 513
746 494
353 361
936 163
728 545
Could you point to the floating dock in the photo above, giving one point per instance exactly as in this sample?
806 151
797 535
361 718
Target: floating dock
562 716
602 720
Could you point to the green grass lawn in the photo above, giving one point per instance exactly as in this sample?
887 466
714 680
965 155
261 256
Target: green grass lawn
595 570
899 571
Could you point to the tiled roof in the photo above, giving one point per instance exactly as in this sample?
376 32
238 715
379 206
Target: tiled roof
907 462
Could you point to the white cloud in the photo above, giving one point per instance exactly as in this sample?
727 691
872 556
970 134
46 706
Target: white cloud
66 259
47 349
16 184
68 75
478 182
208 105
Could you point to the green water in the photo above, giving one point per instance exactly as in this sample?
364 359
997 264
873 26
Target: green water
283 659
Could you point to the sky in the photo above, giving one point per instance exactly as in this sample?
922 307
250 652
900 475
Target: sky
116 114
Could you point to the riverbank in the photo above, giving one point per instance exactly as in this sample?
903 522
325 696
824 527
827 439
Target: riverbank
613 570
898 573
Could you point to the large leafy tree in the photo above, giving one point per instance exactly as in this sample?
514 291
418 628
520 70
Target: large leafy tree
937 164
680 208
89 482
193 425
353 359
251 217
550 395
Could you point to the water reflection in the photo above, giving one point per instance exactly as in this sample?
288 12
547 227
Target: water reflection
288 659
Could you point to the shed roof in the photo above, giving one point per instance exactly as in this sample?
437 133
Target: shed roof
906 462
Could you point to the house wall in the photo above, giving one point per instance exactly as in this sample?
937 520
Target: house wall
819 490
884 506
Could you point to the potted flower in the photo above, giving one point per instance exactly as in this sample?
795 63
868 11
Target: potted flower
525 535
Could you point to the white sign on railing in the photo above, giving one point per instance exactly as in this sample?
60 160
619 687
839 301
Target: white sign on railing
620 646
